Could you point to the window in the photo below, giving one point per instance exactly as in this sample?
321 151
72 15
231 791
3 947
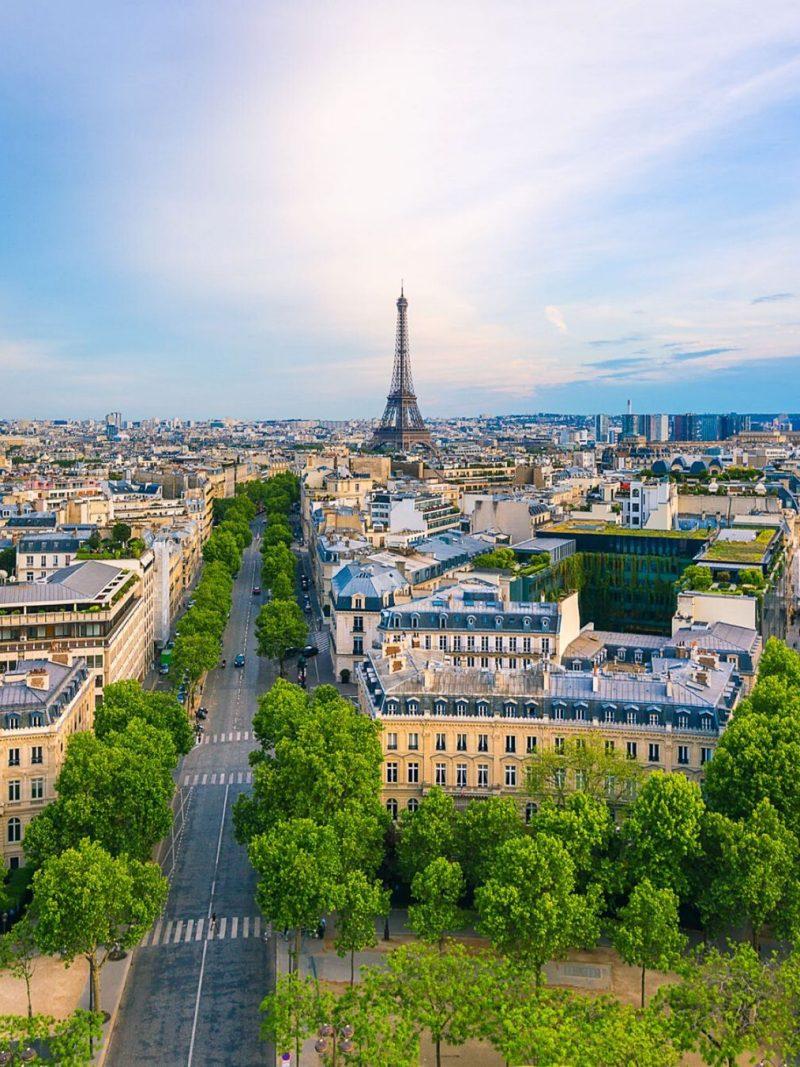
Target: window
441 773
427 641
654 718
13 757
530 811
441 742
511 775
705 755
511 743
608 715
412 707
483 742
413 742
530 743
461 742
442 622
483 708
413 804
442 642
457 643
683 721
630 718
653 753
358 646
358 623
558 711
545 646
512 663
13 790
512 644
683 755
484 643
392 706
412 770
461 775
483 775
485 662
440 707
620 655
14 833
461 707
526 644
631 749
391 807
391 742
391 772
558 745
470 642
37 788
498 644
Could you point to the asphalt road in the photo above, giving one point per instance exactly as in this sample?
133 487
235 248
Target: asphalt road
192 995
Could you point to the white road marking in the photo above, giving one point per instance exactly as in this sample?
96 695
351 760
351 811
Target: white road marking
189 928
234 926
178 931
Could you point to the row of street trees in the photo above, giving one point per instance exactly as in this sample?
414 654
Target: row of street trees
95 891
313 823
280 625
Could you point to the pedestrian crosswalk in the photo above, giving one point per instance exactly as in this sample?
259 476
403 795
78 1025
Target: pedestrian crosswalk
183 931
320 638
218 778
231 737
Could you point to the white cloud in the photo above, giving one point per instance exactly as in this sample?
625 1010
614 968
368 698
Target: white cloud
554 316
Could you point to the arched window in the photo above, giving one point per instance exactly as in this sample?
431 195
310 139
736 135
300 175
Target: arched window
413 804
442 622
395 622
415 622
530 810
391 807
14 830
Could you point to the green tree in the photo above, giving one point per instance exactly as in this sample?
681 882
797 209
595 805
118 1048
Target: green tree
293 1012
275 560
757 757
121 532
585 764
438 993
382 1036
18 954
427 834
8 560
115 794
696 578
203 620
647 935
502 559
662 832
299 875
282 587
529 908
222 547
192 657
361 901
280 626
86 901
437 889
749 873
721 1009
124 701
67 1042
481 828
584 826
278 533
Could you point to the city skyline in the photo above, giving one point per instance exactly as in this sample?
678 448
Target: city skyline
219 211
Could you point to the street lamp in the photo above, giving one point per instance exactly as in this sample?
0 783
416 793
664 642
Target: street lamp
329 1039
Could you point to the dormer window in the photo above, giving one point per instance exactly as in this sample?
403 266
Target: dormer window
510 709
442 622
395 622
415 622
12 721
526 622
392 707
412 707
37 719
358 603
531 709
682 720
461 707
483 707
471 622
440 707
545 624
498 621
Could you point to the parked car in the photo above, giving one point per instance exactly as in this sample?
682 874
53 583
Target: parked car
201 713
256 590
239 661
163 668
310 650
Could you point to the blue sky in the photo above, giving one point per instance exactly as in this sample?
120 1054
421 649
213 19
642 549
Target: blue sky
206 209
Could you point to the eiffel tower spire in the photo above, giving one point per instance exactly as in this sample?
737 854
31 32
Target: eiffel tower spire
401 426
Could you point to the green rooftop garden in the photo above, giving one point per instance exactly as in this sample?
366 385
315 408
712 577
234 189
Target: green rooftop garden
740 551
610 529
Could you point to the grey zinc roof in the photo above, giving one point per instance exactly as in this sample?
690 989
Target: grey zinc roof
367 580
54 542
717 636
80 581
35 520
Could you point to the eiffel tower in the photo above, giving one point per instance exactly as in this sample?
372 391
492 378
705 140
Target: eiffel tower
401 426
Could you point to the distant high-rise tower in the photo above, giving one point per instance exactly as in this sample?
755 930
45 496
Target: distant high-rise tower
401 426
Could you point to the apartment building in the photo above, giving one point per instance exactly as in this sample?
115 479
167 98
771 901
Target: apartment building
177 552
474 624
42 702
40 556
411 516
100 611
360 591
649 505
472 731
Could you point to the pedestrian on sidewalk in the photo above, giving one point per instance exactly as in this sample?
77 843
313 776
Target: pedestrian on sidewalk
213 924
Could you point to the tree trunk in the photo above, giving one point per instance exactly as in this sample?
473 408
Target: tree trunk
644 972
438 1052
298 933
28 991
280 666
94 978
352 966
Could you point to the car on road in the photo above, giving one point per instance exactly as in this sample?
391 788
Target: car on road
239 661
304 582
163 668
256 590
201 713
310 650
